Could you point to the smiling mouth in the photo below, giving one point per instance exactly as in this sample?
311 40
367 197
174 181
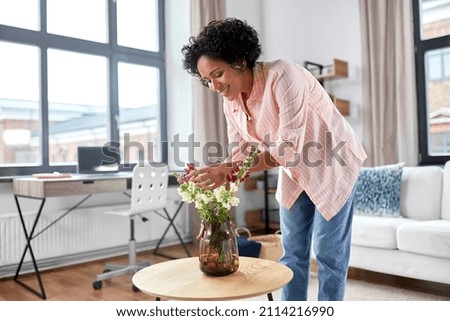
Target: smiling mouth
224 90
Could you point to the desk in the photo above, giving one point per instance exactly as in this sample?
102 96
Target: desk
41 189
182 280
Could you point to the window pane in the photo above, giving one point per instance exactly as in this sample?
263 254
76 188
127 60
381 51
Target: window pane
435 18
19 105
20 13
83 19
434 66
139 112
137 24
78 100
446 62
438 101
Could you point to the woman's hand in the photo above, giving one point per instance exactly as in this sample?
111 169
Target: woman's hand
210 177
200 233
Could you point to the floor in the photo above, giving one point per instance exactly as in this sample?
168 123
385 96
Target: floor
74 283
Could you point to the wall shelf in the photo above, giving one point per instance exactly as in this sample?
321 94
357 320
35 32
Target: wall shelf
339 69
342 105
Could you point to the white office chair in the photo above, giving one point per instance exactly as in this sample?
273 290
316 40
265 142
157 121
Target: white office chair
148 193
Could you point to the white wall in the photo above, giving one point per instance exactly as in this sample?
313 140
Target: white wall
248 10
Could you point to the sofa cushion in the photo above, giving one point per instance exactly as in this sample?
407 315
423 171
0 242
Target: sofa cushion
421 192
375 231
377 190
430 238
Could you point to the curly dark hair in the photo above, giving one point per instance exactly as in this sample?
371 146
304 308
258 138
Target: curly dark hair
230 40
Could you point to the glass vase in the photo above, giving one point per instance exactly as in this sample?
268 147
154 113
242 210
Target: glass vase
218 251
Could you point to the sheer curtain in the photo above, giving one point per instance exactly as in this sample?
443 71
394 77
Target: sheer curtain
389 92
208 119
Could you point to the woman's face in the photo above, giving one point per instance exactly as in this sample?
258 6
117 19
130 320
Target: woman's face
221 77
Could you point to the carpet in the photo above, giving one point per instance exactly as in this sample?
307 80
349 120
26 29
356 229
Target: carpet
357 290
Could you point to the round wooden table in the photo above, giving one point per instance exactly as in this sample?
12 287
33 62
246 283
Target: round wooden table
182 279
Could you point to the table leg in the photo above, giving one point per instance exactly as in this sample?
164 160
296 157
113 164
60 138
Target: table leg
171 224
266 203
29 237
270 296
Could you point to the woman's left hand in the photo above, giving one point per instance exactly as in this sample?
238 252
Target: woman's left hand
210 177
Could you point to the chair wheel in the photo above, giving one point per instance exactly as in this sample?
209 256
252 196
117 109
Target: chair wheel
135 288
97 285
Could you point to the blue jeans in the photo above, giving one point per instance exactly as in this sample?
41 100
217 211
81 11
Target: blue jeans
331 246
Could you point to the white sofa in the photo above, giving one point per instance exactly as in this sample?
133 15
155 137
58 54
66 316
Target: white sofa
417 244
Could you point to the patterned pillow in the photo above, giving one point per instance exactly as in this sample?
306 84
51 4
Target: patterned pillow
378 190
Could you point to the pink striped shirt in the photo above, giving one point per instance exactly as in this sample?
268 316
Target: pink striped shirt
294 118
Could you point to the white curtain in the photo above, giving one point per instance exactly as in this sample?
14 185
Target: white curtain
208 119
389 92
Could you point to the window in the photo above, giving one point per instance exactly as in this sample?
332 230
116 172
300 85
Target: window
438 64
19 105
83 19
432 41
77 105
138 93
80 73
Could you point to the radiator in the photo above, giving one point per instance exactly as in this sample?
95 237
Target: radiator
82 235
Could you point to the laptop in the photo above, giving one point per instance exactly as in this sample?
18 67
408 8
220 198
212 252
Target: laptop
98 160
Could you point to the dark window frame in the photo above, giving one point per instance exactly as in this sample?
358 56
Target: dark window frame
113 52
421 47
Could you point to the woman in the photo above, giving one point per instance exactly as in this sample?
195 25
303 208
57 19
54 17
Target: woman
280 107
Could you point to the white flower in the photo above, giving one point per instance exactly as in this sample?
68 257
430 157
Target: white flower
234 201
214 204
233 188
202 198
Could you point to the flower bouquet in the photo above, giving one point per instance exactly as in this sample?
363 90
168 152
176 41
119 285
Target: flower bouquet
218 245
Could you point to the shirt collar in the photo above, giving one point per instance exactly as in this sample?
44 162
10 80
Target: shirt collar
257 87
